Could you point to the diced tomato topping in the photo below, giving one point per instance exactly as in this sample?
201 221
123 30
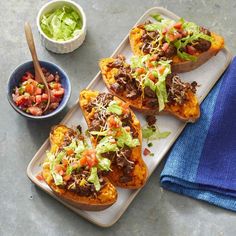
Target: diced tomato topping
92 160
154 57
83 161
149 65
118 133
165 46
161 69
164 31
171 37
64 162
152 77
178 35
69 152
125 108
89 158
140 71
58 168
184 33
178 25
146 152
112 122
35 111
39 176
191 50
67 177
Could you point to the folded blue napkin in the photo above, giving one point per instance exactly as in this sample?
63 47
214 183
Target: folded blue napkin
202 163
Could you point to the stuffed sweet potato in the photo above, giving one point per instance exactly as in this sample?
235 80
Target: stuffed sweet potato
116 133
75 173
185 43
149 86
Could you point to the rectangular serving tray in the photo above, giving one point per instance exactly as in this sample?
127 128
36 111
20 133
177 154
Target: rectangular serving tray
206 76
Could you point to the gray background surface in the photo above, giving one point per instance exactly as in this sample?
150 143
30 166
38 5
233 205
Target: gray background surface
26 210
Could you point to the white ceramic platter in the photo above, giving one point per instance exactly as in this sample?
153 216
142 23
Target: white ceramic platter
206 75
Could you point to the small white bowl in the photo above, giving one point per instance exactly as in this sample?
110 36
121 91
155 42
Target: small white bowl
62 46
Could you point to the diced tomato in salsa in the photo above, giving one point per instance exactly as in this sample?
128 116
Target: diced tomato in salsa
31 96
35 111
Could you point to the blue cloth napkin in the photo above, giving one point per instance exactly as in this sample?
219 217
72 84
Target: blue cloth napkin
202 163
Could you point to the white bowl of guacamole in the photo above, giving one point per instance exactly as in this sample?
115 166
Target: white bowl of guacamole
62 26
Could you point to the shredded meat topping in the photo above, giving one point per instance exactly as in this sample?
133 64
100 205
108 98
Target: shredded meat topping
177 90
98 122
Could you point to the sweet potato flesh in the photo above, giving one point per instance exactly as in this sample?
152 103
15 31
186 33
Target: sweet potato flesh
107 195
188 111
136 44
139 174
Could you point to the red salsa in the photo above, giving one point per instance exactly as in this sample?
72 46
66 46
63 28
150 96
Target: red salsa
31 96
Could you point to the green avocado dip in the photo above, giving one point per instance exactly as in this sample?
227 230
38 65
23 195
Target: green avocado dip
61 24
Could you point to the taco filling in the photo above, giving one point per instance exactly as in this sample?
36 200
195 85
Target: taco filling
168 38
114 134
150 80
77 168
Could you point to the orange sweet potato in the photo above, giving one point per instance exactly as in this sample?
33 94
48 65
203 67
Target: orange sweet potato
188 111
139 173
105 197
178 65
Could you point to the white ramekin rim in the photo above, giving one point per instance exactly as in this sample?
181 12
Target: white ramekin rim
81 11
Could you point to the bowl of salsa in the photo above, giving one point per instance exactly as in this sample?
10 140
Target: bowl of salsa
29 97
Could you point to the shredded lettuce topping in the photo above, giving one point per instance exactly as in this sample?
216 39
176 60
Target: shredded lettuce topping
114 108
104 164
138 61
126 139
153 133
160 25
167 25
93 178
61 24
78 147
112 142
106 144
157 17
160 86
54 160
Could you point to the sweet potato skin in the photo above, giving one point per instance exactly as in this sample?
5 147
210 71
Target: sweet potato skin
140 171
188 112
107 195
179 65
